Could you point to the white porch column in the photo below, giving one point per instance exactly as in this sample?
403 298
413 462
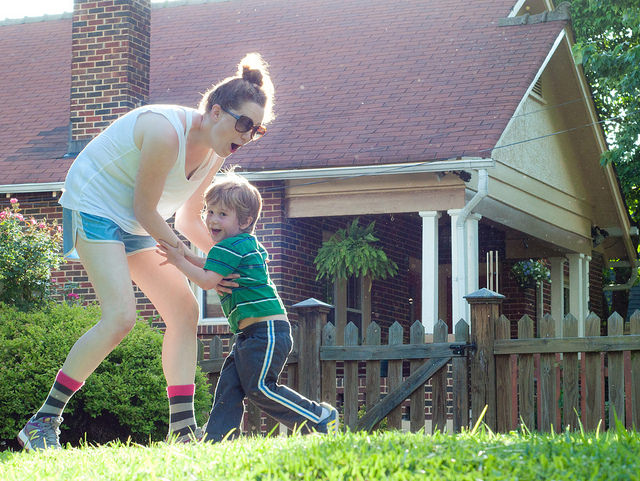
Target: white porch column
557 292
472 273
429 314
577 298
458 268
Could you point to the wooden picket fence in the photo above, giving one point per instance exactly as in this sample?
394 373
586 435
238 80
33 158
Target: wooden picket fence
548 383
338 370
544 383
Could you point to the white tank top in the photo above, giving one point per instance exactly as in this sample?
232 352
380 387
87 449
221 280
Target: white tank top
102 178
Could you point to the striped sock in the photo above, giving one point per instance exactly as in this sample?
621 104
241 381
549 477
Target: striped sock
63 388
182 419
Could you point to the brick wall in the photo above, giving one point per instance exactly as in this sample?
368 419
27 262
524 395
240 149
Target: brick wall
400 238
294 243
110 63
44 206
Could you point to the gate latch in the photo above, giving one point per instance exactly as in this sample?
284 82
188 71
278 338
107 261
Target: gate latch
460 349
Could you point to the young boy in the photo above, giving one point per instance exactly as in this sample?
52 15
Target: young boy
255 313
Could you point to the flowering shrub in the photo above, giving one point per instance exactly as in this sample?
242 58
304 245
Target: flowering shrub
528 273
67 295
29 250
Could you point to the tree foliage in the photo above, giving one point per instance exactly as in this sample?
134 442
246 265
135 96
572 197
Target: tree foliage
608 47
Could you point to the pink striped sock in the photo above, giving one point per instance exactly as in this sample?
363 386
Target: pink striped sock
182 419
181 390
68 382
63 388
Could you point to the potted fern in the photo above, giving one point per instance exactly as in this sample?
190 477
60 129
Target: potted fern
352 252
528 273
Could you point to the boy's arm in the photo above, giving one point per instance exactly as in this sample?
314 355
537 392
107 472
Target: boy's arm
174 255
207 280
196 260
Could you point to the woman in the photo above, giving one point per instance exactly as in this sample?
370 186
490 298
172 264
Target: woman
154 161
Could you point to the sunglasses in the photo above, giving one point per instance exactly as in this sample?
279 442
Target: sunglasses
245 124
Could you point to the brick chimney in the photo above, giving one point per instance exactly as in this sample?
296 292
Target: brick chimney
109 65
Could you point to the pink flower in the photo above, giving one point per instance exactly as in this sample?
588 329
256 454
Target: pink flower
41 225
59 228
19 217
3 214
33 221
73 295
13 200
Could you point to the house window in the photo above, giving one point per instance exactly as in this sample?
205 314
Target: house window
210 307
347 299
354 301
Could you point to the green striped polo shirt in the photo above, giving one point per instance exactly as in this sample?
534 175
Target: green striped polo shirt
257 295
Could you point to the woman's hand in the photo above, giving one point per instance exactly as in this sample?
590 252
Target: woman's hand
226 284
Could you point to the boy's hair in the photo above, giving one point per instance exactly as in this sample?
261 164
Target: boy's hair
235 192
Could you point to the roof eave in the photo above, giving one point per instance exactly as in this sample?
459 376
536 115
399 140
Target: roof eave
31 187
371 170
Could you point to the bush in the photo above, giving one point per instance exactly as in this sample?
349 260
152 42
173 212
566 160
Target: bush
125 397
29 250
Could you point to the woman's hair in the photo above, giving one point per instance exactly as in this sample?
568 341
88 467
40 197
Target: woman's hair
235 192
252 83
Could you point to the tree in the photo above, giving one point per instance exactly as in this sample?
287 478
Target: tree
608 47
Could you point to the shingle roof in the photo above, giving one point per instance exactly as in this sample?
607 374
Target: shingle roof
35 83
357 83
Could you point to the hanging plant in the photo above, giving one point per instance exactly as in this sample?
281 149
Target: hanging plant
352 252
528 273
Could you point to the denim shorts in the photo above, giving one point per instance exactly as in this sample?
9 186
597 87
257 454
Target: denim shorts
97 229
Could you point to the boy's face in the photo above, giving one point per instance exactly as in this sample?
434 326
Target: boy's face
222 222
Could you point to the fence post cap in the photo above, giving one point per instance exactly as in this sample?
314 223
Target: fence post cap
312 302
484 295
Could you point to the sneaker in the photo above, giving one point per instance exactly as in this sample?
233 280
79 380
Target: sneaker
190 437
331 423
41 433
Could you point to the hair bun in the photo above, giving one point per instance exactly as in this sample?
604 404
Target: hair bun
252 75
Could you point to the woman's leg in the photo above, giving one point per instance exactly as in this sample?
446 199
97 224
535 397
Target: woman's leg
168 290
108 270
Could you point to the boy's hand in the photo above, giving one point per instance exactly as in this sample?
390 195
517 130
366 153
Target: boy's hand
172 255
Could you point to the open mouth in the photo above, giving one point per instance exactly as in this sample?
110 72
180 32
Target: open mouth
234 147
215 231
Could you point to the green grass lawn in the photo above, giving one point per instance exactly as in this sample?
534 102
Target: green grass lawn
360 456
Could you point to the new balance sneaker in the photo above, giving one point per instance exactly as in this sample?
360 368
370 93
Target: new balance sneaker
42 433
190 437
331 423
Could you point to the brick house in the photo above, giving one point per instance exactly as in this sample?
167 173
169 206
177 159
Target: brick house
464 129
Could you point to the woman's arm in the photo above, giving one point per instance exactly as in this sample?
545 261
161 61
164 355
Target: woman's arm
158 142
189 216
190 224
